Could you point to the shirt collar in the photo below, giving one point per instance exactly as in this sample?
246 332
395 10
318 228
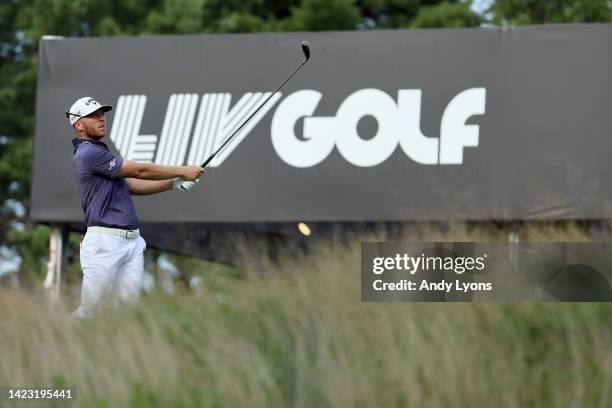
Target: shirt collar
76 142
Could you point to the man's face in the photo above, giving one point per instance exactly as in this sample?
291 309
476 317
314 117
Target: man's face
92 125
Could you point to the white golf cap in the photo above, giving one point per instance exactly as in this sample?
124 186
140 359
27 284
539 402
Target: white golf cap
83 107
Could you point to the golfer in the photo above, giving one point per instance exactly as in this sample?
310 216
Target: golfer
112 250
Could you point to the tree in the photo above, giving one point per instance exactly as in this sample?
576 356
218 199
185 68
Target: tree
517 12
446 15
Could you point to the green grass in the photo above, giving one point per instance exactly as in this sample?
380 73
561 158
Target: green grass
299 336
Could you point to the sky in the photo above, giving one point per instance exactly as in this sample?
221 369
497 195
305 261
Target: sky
479 6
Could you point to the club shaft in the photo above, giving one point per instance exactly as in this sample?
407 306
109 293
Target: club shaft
212 156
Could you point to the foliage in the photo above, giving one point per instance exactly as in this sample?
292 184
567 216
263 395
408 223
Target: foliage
299 336
517 12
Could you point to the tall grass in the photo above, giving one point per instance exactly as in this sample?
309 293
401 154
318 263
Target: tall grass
299 336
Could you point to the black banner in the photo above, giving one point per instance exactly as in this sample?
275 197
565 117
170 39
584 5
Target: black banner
436 125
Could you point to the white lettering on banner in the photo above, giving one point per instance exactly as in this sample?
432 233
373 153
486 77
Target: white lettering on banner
177 129
126 128
214 123
397 123
293 151
454 133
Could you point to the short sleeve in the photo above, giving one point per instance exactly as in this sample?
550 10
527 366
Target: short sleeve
101 161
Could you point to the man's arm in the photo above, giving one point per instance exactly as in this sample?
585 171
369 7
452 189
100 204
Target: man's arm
150 171
148 187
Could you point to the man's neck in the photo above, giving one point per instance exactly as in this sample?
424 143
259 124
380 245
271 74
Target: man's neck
90 139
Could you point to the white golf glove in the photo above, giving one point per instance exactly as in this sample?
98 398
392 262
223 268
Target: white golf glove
182 185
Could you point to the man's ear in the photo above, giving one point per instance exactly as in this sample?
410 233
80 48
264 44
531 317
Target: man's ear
78 127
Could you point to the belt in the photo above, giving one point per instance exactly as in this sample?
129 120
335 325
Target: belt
129 234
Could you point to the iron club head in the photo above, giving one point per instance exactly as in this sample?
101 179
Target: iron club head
306 49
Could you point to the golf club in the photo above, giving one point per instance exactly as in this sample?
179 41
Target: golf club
306 51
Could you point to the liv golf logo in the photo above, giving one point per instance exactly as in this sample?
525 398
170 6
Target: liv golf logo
176 144
398 123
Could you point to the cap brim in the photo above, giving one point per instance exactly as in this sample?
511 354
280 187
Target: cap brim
104 108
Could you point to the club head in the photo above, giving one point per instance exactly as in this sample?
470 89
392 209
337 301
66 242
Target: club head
306 49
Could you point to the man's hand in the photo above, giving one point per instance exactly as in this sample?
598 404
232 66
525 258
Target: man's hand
191 173
181 185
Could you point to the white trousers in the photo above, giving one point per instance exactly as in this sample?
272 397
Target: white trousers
112 265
